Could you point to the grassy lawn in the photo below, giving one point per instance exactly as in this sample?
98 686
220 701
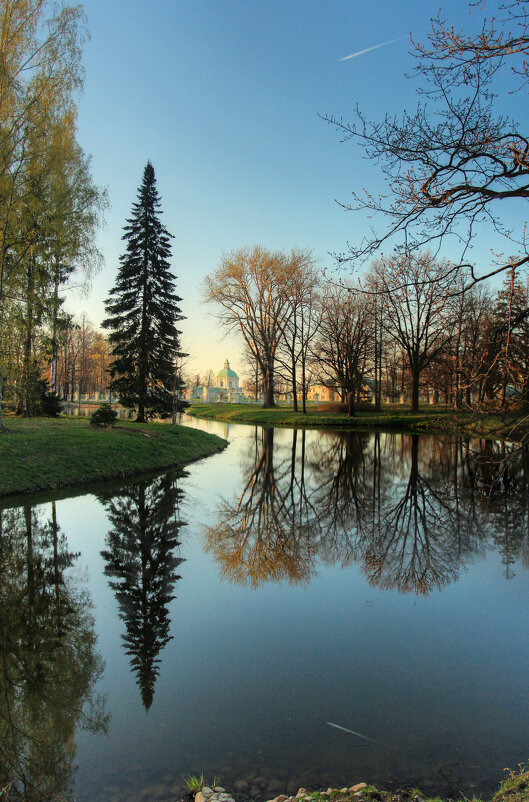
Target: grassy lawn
47 454
436 420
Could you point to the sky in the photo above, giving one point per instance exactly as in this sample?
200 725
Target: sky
224 98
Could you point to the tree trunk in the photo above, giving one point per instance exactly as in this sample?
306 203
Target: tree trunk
28 341
53 376
415 376
142 384
351 404
293 358
294 384
303 387
269 387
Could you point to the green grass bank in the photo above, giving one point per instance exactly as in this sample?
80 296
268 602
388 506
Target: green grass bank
39 454
514 788
435 420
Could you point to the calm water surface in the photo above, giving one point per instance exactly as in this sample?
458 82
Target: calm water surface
217 620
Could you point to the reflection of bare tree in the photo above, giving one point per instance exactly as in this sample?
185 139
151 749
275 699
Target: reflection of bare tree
411 542
407 509
48 662
498 473
266 533
140 555
341 465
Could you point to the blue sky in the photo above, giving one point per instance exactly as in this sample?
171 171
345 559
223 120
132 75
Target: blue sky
223 97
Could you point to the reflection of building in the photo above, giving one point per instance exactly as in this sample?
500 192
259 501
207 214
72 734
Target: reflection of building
225 388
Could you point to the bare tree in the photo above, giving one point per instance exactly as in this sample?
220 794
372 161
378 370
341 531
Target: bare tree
209 377
456 162
340 350
302 327
415 290
252 383
253 288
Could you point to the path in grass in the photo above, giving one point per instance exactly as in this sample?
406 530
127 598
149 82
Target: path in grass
47 454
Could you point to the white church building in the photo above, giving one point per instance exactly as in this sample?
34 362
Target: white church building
225 388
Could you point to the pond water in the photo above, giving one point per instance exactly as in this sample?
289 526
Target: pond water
223 619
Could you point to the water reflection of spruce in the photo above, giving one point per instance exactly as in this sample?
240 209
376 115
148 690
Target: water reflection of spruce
140 555
48 666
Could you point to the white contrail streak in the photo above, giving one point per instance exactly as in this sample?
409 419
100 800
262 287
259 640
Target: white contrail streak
374 47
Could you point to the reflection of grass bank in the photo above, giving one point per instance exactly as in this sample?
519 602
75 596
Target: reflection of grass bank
435 420
46 454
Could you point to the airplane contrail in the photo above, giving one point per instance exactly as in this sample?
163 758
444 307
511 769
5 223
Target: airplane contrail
374 47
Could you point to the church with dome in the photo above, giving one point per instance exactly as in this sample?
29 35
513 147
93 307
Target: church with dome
225 389
227 378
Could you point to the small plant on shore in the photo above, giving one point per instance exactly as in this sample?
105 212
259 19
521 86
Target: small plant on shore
194 783
104 415
515 787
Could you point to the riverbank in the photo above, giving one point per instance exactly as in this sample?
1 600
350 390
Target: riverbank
433 420
514 788
44 454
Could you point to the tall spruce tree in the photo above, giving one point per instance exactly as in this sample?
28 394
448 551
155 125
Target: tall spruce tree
142 312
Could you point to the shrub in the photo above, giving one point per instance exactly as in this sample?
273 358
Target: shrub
104 415
49 405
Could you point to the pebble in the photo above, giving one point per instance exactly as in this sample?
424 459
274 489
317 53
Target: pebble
218 795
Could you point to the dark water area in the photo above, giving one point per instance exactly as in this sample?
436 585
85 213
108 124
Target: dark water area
222 619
